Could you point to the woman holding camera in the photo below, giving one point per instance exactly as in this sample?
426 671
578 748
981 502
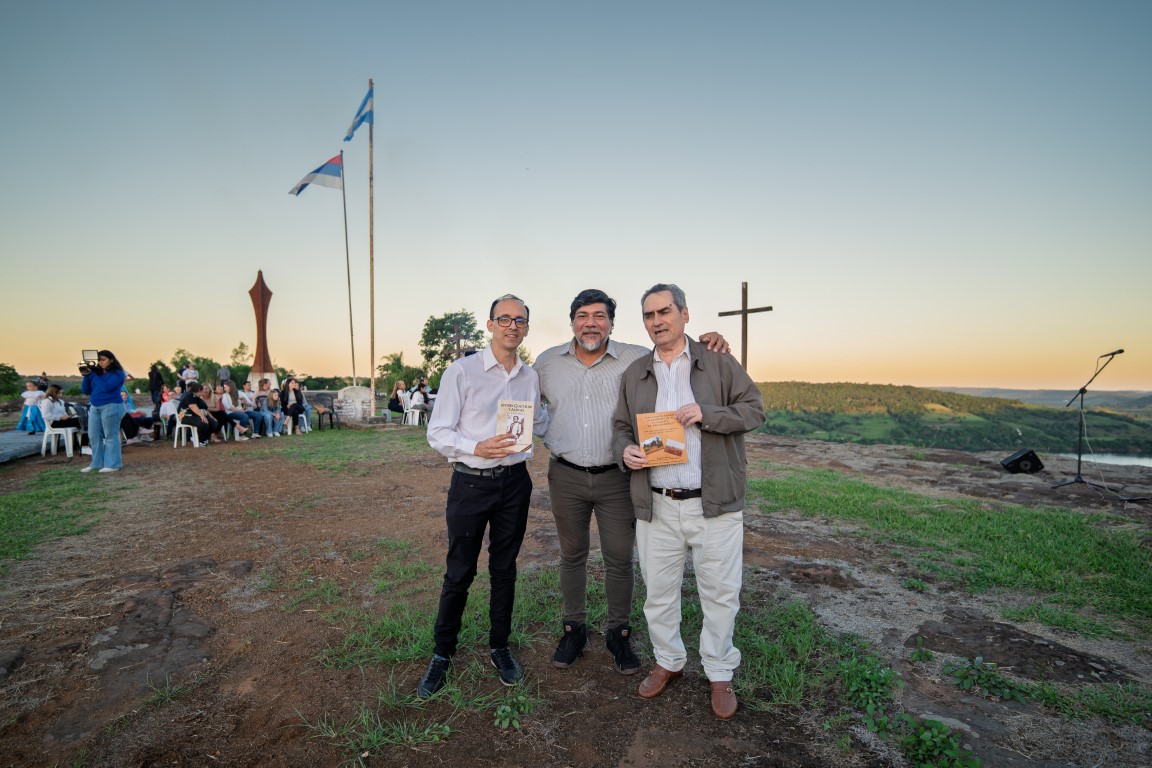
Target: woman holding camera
102 383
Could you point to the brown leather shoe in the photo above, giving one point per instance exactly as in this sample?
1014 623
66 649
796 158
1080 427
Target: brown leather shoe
657 681
724 702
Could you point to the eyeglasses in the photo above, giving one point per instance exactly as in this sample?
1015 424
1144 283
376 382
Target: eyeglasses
504 321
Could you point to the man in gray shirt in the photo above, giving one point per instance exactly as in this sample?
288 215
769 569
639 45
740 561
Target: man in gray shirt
580 381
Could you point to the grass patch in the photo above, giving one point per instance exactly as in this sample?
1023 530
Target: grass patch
1067 557
312 589
1055 616
54 503
350 451
168 691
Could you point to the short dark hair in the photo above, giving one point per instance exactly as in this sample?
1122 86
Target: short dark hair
677 294
593 296
507 297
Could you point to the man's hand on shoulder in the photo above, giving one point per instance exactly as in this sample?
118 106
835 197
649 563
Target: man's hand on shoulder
715 342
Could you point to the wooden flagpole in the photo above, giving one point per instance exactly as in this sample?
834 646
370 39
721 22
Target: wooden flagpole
371 268
348 269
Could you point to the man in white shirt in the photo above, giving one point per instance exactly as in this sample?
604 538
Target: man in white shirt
490 488
580 381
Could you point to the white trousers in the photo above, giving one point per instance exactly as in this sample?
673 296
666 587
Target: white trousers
717 546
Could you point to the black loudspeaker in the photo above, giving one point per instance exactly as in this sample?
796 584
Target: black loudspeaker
1024 460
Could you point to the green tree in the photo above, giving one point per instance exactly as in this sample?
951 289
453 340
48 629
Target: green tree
324 383
393 369
166 372
206 367
241 355
179 357
9 381
439 339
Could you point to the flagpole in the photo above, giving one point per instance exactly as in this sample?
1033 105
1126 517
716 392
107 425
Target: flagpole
371 270
348 269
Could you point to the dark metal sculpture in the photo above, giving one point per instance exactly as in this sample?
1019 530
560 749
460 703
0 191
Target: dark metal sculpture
261 297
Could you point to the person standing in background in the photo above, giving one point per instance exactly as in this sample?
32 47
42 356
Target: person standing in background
102 384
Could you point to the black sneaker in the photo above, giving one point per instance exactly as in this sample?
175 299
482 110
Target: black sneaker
511 673
619 642
571 646
433 679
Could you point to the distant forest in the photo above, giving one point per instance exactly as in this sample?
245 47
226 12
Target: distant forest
888 414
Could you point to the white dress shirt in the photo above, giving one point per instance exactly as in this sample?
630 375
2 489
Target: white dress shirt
674 390
466 406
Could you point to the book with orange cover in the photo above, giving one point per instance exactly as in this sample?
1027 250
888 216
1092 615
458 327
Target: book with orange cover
661 438
515 416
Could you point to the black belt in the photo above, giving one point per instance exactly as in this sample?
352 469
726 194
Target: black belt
499 471
678 494
590 470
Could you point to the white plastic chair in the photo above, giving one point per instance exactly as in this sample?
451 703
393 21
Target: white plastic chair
412 417
55 432
180 434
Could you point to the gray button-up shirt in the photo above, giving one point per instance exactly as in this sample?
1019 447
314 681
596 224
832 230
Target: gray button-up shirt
581 400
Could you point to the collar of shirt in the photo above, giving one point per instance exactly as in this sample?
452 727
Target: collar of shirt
683 353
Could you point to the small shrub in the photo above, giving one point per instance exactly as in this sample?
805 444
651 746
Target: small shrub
512 710
920 653
930 744
983 677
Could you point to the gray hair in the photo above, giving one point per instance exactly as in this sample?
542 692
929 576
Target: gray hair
507 297
677 294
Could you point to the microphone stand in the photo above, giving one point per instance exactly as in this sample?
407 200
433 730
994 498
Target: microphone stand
1080 438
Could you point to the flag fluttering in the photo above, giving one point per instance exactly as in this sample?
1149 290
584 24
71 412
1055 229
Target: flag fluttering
363 115
331 174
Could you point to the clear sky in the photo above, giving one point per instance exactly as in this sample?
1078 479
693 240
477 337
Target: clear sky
927 193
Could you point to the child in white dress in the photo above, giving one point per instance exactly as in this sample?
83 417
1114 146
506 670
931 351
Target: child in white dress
31 421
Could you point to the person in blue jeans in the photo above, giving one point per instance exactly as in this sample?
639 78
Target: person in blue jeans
102 384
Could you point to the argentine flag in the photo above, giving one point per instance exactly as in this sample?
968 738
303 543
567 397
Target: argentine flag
331 174
363 115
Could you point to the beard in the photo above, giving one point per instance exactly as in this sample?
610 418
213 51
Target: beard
592 346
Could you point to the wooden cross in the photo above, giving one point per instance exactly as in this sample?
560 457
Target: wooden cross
744 312
458 351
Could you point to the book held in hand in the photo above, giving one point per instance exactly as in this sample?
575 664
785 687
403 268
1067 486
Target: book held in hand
515 416
661 438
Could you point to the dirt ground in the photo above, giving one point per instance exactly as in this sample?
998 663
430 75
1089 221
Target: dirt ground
178 580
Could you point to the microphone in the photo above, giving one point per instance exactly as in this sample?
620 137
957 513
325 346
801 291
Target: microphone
1113 354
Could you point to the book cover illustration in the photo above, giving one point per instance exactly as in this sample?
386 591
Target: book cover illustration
661 438
515 416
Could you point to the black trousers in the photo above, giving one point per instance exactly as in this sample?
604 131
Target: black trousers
204 429
475 503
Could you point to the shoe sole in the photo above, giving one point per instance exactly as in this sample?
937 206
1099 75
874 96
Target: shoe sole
562 665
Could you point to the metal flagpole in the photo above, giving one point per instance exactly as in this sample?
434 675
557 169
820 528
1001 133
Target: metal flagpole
348 269
371 269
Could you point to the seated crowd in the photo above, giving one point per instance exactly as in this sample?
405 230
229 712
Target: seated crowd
251 415
210 410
